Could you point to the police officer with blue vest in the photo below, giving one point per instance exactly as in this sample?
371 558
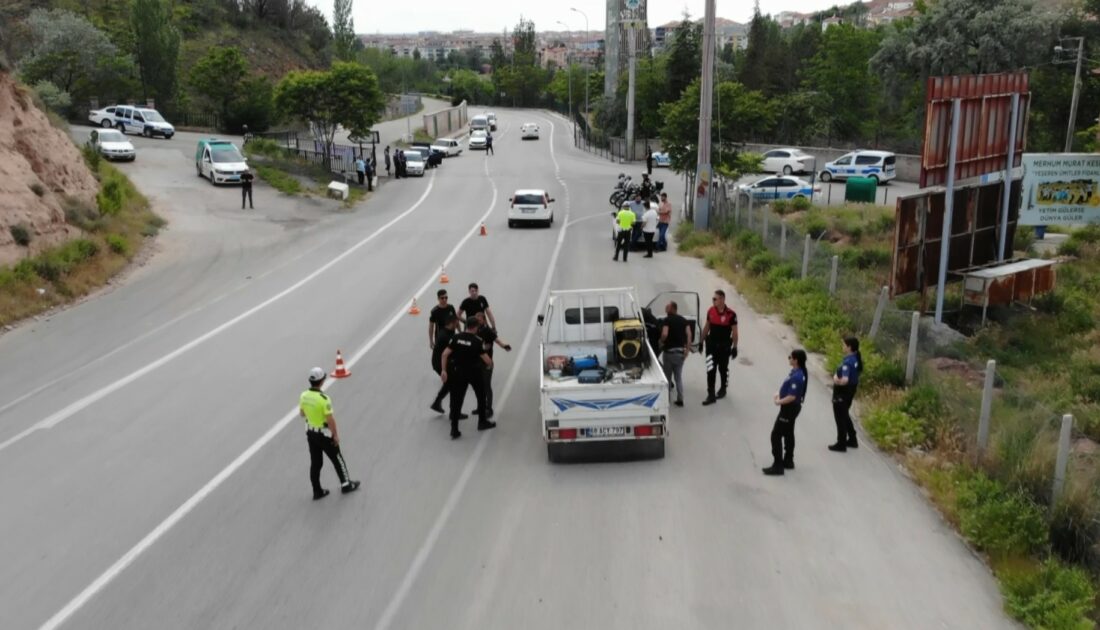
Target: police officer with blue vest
322 435
789 400
845 382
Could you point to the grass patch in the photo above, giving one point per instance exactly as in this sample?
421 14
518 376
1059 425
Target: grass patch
279 179
113 230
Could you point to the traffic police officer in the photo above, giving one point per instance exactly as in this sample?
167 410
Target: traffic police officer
322 435
463 362
720 332
789 399
845 382
625 220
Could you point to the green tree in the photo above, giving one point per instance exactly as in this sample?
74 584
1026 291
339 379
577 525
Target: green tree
343 31
849 91
763 64
469 86
156 48
684 58
218 77
345 96
744 114
66 50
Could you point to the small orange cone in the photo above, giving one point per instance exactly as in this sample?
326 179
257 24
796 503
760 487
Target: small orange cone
443 279
414 309
483 232
341 371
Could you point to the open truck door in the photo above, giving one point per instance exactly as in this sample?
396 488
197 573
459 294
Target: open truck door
688 306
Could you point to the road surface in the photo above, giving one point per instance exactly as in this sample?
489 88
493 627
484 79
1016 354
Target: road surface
153 474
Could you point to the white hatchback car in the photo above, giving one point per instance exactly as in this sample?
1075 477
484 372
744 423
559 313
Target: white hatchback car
530 205
478 139
447 146
414 162
788 161
529 131
111 144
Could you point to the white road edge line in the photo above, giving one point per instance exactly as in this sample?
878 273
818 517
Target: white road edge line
183 510
66 413
421 557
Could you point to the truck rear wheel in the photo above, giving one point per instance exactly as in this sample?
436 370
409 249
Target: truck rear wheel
555 452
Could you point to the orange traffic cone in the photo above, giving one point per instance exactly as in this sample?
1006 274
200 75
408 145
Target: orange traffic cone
443 279
483 232
341 371
414 309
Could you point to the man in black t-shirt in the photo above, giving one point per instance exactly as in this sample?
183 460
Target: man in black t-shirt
463 361
437 320
246 188
676 340
446 332
475 304
489 338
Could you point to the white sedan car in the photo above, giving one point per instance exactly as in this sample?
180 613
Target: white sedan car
414 162
530 205
787 161
447 146
529 131
478 139
780 188
112 144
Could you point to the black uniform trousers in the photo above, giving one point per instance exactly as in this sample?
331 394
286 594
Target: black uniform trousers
783 434
246 193
459 380
622 243
445 388
842 406
718 362
487 387
320 444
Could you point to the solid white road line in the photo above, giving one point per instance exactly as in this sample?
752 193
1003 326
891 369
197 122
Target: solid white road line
425 550
74 408
175 517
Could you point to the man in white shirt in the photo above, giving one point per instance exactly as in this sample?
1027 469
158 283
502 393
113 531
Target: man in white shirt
649 227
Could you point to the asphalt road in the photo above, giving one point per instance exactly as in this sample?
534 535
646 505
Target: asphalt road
153 474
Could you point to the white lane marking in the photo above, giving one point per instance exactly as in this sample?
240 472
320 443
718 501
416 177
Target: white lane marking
421 557
150 333
183 510
66 413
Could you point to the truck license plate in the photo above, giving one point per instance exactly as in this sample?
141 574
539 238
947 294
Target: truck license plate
606 431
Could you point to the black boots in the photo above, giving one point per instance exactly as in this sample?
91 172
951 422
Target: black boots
775 470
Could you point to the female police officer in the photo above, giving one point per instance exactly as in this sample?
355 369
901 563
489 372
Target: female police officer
789 399
845 382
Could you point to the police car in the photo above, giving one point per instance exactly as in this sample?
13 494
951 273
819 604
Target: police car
779 188
878 165
660 158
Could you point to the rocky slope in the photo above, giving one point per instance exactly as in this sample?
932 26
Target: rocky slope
41 171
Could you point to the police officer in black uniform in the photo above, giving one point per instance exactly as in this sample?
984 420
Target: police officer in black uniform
446 332
489 338
463 363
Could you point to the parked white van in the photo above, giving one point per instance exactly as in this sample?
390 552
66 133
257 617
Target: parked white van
878 165
479 122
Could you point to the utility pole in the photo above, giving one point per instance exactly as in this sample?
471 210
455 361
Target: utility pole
586 40
1076 92
569 75
631 37
703 174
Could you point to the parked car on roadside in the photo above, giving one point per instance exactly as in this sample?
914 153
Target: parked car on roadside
661 159
415 163
788 161
432 157
219 161
492 121
112 145
448 146
878 165
127 119
771 188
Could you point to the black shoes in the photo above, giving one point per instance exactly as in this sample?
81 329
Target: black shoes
788 465
679 403
775 470
456 434
710 400
852 443
485 426
436 407
839 447
721 393
321 495
350 486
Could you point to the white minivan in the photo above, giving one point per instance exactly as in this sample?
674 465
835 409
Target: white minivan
878 165
479 122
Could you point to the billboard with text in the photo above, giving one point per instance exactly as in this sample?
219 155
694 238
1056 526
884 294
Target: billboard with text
1061 189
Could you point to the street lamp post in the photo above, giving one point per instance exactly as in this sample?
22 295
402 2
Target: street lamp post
586 40
1076 89
569 73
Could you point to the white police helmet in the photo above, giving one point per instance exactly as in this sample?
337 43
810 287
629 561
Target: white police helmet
316 375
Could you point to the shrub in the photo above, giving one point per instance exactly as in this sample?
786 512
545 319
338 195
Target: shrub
1001 521
38 189
91 157
865 257
712 259
924 402
761 263
815 223
118 244
781 206
779 273
1050 596
748 244
882 371
690 239
801 204
894 429
20 234
1023 239
47 269
80 214
110 196
1071 247
53 97
24 270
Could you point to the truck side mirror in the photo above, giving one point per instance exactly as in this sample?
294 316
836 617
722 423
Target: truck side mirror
541 319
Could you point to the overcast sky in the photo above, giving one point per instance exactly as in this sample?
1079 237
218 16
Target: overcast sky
410 16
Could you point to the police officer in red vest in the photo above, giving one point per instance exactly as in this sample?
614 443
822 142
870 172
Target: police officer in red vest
720 332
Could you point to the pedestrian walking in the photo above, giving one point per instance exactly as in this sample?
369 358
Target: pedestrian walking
664 218
386 156
789 400
675 343
649 228
489 338
474 304
246 188
489 144
720 333
463 361
625 219
360 169
845 382
322 435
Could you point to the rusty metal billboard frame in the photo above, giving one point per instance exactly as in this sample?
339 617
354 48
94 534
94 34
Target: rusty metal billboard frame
974 239
985 127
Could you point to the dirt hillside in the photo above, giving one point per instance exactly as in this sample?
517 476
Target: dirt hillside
39 167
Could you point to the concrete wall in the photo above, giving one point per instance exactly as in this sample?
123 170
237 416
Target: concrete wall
908 166
447 121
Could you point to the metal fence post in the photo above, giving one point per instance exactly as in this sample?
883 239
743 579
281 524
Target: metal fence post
987 407
750 211
1063 455
806 258
782 239
911 360
876 321
832 275
737 210
764 231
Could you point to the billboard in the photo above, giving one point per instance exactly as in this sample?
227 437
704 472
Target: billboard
985 125
975 225
1061 189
